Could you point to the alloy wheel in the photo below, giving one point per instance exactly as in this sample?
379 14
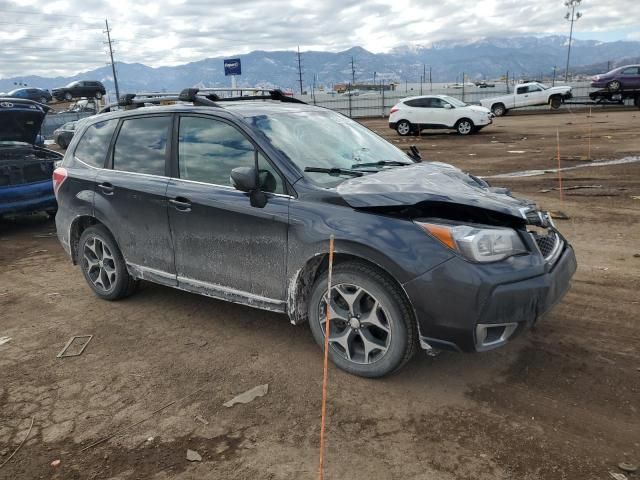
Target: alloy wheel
404 128
360 327
99 263
464 127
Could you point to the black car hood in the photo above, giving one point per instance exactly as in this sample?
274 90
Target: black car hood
20 121
428 182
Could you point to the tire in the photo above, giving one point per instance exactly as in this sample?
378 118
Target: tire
62 143
498 109
555 102
636 101
388 350
404 128
43 100
52 212
464 126
614 86
97 249
68 96
98 95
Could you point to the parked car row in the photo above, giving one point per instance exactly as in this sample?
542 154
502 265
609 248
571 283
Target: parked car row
76 89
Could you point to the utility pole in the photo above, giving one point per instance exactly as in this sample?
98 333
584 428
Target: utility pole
430 83
113 65
572 17
553 82
353 72
300 71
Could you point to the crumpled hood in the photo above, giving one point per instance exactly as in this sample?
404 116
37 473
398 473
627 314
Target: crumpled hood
20 120
427 182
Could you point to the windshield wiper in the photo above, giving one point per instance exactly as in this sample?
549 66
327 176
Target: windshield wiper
336 171
380 163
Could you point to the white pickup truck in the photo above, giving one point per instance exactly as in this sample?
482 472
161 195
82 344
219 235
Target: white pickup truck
527 95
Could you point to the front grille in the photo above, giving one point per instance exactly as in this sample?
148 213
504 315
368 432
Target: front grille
549 244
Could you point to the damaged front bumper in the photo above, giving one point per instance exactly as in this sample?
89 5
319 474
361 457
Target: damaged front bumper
470 307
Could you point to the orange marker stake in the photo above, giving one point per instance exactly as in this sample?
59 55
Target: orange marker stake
325 373
559 172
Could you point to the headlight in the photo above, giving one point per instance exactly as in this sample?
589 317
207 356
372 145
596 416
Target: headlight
487 244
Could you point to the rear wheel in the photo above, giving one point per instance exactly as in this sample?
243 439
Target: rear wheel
465 126
43 99
403 127
614 86
499 109
372 330
555 102
68 96
102 264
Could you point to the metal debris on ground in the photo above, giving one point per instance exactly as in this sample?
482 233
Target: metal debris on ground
193 456
249 395
516 151
21 443
628 467
201 420
4 340
618 476
83 340
55 463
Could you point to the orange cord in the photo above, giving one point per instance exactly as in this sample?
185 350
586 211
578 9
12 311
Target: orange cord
325 373
559 172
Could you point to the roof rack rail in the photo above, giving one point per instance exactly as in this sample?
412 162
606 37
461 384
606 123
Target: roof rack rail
201 97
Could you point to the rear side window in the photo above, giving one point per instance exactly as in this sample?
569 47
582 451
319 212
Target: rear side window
93 146
141 145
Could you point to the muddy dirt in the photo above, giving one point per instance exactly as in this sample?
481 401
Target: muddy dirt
561 402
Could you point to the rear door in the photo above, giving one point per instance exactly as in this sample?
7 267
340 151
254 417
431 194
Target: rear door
225 247
630 77
130 195
522 96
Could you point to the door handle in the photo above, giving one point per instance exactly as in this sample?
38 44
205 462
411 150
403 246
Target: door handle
106 188
181 204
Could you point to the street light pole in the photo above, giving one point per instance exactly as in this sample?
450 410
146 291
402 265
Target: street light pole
572 17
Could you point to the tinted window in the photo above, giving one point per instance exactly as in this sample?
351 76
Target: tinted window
413 103
93 146
522 90
141 145
630 71
436 103
209 149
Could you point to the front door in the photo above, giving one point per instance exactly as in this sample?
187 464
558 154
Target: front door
225 247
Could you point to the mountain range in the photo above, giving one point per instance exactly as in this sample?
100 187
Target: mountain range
488 58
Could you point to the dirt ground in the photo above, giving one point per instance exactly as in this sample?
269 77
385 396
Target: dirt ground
561 402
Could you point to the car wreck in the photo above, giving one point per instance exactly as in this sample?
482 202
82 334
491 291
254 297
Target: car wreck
25 167
236 199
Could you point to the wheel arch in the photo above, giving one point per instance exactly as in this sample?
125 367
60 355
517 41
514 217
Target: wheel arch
79 225
301 283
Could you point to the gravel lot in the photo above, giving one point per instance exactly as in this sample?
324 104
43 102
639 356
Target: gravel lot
561 402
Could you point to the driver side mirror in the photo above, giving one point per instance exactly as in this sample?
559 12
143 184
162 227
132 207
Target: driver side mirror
245 179
447 106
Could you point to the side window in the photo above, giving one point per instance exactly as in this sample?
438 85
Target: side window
93 146
209 149
437 103
630 71
141 145
413 103
522 90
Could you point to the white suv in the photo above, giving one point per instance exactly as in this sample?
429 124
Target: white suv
414 114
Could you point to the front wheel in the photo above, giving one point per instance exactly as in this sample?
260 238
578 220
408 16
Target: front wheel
372 330
614 86
498 110
465 126
68 96
102 264
555 102
98 95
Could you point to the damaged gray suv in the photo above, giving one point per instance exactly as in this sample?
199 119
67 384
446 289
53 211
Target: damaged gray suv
236 198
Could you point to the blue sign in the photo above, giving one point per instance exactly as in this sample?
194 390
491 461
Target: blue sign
232 67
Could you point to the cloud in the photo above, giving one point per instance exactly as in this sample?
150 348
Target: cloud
61 37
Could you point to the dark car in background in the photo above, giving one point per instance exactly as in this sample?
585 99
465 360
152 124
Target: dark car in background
80 88
619 79
40 95
63 135
237 200
25 168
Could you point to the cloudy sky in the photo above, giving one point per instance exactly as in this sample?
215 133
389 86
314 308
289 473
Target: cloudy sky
51 37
